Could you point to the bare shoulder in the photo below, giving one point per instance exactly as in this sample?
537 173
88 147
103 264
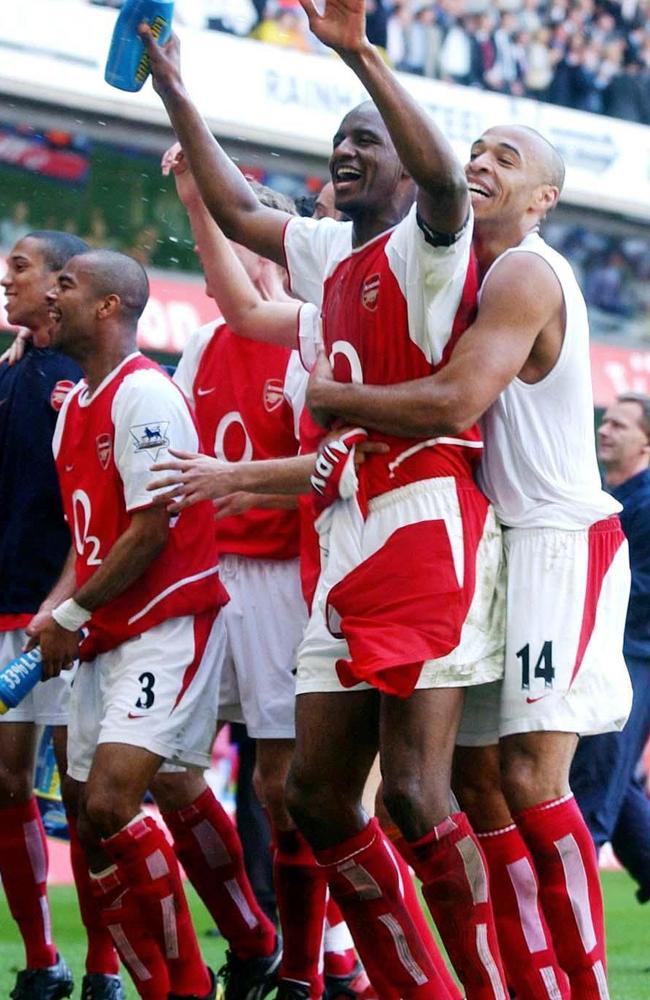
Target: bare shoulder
524 274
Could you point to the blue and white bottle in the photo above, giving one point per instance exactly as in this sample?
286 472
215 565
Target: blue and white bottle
127 66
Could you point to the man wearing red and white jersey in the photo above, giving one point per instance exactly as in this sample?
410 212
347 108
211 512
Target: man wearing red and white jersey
248 398
418 501
147 591
524 365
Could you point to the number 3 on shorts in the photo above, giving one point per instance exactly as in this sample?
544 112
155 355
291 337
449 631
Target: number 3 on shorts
544 669
147 681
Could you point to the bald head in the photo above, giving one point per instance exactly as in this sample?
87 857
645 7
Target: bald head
538 151
112 273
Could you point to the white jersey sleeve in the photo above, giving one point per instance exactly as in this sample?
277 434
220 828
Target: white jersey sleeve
310 335
431 278
150 416
295 388
312 247
185 374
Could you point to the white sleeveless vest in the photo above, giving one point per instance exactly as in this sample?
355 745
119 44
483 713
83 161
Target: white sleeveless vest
539 464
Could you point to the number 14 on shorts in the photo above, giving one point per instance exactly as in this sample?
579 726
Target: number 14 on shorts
543 669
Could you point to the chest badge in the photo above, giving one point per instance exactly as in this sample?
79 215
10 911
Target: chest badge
273 395
370 292
59 392
104 449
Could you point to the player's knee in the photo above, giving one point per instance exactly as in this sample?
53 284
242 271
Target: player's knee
15 786
270 788
107 810
527 780
476 787
414 805
307 799
71 792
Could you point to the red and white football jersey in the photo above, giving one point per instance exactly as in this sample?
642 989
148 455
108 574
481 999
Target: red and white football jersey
104 446
247 398
392 311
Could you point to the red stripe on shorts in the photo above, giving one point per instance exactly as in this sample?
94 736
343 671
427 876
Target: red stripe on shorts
605 539
202 627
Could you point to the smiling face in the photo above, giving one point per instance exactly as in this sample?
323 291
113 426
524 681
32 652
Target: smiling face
513 175
365 169
25 284
71 303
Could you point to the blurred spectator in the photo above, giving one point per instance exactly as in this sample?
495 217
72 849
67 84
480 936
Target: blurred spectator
16 226
605 286
592 55
615 805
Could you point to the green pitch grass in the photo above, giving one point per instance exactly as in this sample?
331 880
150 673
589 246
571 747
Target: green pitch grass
628 928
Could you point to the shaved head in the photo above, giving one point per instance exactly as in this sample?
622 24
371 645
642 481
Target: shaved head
549 163
112 273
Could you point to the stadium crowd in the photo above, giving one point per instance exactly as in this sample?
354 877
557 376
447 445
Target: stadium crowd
592 55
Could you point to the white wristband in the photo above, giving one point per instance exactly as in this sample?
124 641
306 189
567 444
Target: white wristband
70 615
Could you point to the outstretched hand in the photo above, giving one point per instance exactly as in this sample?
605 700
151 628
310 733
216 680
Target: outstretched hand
192 478
175 162
16 350
165 61
341 25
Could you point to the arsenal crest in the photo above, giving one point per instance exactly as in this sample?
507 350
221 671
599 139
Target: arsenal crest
273 395
370 292
104 449
59 392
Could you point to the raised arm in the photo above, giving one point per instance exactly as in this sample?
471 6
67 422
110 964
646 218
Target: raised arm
241 305
224 190
443 199
518 326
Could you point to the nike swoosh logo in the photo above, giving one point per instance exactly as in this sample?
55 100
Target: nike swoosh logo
531 701
132 716
69 468
204 392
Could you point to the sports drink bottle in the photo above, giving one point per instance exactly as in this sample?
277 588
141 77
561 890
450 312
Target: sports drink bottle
127 66
18 678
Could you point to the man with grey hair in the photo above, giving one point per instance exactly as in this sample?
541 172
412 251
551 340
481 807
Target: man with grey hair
613 800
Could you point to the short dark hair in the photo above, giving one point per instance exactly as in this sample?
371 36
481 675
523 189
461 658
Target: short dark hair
114 273
644 402
57 247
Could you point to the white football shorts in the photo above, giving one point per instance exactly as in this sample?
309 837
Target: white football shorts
478 657
157 691
265 621
47 704
567 594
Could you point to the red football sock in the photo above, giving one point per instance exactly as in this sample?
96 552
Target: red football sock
100 956
450 865
301 894
365 879
151 870
339 956
23 867
570 892
209 848
122 916
405 858
532 967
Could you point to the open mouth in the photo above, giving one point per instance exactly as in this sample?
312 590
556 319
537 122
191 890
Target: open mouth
479 190
346 175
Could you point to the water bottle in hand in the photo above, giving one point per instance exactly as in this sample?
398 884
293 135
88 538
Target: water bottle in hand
18 678
128 66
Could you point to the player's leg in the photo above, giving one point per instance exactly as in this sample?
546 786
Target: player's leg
23 845
531 965
536 785
418 736
265 621
631 840
300 885
118 779
101 981
336 743
208 846
565 674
